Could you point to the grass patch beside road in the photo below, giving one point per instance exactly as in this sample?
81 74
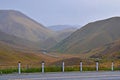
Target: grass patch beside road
54 69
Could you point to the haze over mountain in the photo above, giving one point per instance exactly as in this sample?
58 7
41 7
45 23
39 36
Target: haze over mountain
60 32
63 27
21 26
16 23
63 31
90 36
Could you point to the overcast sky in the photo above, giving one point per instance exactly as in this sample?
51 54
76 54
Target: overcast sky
60 12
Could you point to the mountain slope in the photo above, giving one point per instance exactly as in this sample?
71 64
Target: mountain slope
17 42
17 24
14 49
63 31
11 56
111 50
60 32
90 36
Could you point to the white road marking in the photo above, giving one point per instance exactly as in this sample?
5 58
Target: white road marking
67 77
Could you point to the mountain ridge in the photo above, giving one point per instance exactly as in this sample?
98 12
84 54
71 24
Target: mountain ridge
90 36
17 24
63 27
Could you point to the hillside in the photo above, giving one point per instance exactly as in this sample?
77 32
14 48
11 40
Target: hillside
110 51
14 49
60 32
9 56
17 42
63 31
17 24
20 38
90 36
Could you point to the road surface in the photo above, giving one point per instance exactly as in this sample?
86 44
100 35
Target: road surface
64 76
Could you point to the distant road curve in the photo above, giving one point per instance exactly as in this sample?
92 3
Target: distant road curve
64 76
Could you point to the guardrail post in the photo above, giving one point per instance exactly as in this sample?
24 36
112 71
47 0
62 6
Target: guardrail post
19 67
112 66
43 66
97 66
81 66
63 66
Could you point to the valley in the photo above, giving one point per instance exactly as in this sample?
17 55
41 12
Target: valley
23 39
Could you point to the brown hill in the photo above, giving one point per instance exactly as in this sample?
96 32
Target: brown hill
10 56
91 36
110 51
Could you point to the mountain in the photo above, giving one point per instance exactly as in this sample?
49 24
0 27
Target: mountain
63 27
18 24
63 31
60 32
90 36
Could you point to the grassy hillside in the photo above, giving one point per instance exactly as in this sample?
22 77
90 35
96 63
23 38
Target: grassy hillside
91 36
14 49
109 51
17 42
9 55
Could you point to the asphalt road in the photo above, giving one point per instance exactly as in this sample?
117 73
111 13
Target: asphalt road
64 76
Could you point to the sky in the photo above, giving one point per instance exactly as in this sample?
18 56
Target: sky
64 12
